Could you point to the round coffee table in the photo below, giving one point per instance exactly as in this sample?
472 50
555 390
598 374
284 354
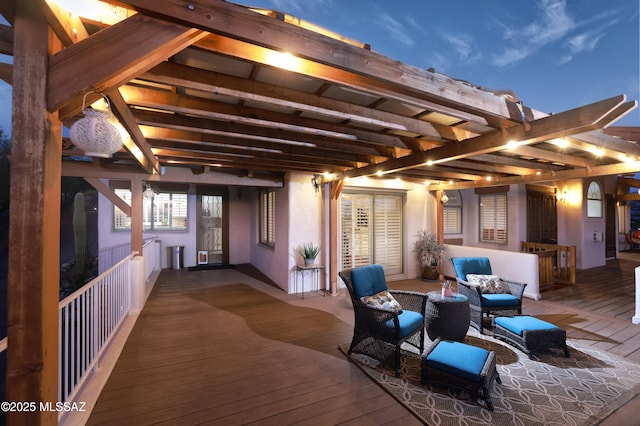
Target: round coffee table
447 317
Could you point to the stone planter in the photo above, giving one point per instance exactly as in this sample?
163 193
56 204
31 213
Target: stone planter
309 262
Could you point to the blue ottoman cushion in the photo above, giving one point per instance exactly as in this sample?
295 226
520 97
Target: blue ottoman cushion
458 359
519 324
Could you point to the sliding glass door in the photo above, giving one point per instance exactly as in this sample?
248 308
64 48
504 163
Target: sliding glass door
372 230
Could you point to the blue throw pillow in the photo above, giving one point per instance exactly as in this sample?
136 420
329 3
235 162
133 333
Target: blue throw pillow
368 280
471 265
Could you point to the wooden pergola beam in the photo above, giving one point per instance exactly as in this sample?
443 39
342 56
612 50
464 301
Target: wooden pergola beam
220 111
566 123
81 67
209 81
240 23
109 194
138 145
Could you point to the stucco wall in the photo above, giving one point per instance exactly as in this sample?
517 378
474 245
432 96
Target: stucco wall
516 211
575 228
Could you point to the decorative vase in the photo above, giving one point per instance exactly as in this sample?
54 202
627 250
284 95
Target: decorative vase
309 261
430 273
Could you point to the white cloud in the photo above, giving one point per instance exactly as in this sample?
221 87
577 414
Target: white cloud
462 44
554 25
583 42
511 55
295 6
396 29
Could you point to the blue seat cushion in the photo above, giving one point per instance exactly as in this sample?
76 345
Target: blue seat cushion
458 359
520 323
409 322
368 280
471 265
499 299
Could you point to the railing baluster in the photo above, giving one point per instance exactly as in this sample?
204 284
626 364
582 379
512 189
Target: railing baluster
89 318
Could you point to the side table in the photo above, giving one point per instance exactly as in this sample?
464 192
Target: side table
314 271
447 317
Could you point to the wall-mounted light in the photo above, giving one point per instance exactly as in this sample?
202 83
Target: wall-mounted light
148 193
316 181
444 199
563 196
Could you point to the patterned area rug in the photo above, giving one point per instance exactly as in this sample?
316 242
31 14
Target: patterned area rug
552 390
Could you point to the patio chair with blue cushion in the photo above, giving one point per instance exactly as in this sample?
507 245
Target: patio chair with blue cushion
488 294
384 319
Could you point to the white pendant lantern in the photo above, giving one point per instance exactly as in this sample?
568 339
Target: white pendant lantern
98 133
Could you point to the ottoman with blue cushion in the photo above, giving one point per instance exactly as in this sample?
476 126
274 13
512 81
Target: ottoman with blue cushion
530 334
447 363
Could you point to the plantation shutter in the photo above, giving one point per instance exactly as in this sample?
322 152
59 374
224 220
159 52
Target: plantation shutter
388 232
371 229
452 213
493 218
267 220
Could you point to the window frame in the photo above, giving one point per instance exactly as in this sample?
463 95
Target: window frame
595 200
122 223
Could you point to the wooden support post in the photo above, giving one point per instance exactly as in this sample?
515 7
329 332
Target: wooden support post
34 233
333 240
440 226
136 215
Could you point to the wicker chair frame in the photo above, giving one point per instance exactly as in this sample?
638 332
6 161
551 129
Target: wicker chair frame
478 309
476 389
371 335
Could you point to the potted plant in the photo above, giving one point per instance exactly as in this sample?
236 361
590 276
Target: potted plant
429 253
309 252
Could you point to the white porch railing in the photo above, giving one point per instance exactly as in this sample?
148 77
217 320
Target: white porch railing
109 256
89 318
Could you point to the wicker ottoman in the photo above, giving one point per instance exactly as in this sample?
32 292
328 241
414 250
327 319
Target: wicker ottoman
454 364
530 334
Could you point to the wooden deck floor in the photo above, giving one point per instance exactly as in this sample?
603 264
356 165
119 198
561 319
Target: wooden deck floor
220 347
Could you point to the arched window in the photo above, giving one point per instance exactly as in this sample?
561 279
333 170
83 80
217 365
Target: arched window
594 200
453 212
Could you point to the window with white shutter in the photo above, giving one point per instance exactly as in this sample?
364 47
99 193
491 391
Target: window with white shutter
268 218
165 211
493 218
452 212
372 230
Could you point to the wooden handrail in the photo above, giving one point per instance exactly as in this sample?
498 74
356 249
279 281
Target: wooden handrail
564 266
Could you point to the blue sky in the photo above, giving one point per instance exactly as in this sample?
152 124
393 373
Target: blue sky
555 55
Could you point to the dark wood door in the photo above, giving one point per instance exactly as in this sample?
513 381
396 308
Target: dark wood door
611 236
542 220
